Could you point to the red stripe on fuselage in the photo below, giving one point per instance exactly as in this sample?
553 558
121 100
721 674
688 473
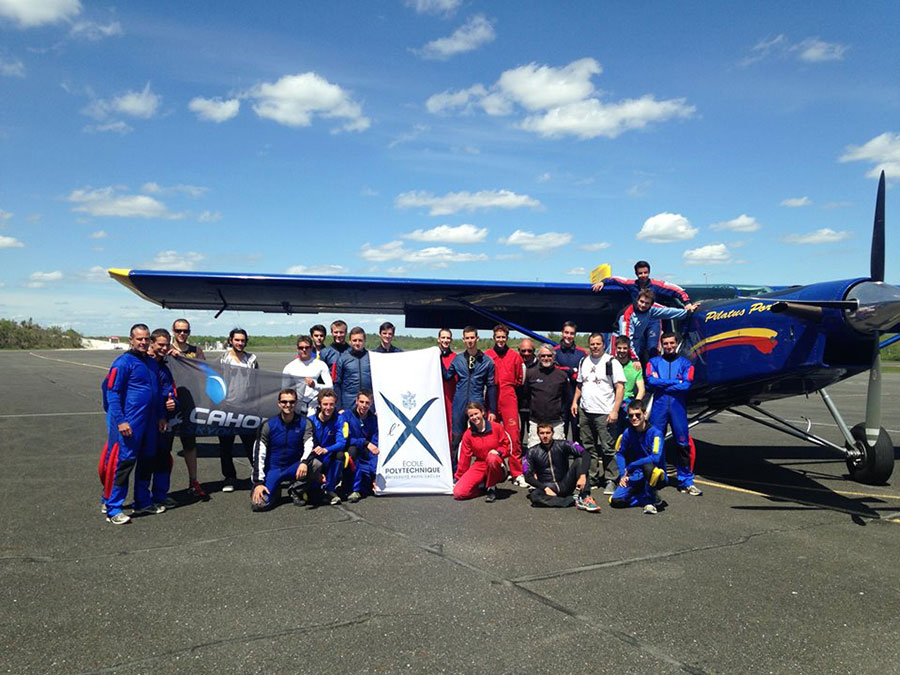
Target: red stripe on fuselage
763 344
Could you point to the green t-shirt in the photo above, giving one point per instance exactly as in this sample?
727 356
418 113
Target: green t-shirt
632 375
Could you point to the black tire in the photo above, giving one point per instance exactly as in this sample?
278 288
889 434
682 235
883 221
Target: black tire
877 464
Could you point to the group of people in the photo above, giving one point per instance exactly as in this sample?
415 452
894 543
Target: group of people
558 421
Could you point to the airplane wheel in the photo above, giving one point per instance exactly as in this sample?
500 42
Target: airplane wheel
877 462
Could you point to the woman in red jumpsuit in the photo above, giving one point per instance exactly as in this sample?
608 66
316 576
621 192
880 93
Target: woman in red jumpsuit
483 448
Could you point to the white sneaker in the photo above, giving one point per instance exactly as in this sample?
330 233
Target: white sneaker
228 485
150 510
520 482
650 510
691 490
118 519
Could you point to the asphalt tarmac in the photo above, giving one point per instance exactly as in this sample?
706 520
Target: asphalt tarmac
783 565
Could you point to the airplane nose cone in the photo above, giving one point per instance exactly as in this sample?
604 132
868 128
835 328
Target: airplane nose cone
879 307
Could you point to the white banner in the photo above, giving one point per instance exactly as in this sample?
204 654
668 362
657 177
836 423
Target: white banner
413 443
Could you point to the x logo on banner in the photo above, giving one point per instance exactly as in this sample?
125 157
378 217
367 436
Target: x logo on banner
411 428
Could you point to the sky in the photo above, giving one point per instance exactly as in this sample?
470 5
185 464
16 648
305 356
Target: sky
460 139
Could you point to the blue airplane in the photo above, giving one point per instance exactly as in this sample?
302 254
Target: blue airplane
748 345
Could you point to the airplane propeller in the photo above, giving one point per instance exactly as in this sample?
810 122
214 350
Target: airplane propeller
876 266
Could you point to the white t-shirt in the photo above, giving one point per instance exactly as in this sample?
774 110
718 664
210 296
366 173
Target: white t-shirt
316 370
598 393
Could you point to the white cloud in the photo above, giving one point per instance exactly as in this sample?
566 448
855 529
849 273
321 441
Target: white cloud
508 256
397 271
209 217
814 50
30 13
440 7
711 254
95 274
561 101
529 241
5 215
175 261
743 223
109 202
666 227
453 202
99 234
415 132
157 189
577 271
10 242
214 109
294 100
12 68
796 202
41 279
143 104
474 33
591 118
93 31
883 151
317 270
597 246
447 234
394 250
824 235
116 126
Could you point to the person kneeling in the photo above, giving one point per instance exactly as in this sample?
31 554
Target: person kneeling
362 446
639 456
554 479
278 451
483 448
321 470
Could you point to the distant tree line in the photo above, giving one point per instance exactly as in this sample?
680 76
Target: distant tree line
29 335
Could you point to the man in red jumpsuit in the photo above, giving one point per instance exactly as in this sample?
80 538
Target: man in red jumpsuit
508 373
445 340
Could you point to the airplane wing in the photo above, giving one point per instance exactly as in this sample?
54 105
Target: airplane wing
426 303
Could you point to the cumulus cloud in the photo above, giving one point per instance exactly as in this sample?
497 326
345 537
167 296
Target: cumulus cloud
41 279
809 50
214 109
95 274
883 152
577 271
743 223
824 235
395 250
116 126
711 254
666 227
90 30
439 7
453 202
176 262
110 202
31 13
529 241
596 246
141 104
98 234
447 234
474 33
317 270
12 68
157 189
796 202
560 101
10 242
294 100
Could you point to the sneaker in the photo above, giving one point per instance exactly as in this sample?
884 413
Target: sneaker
119 519
609 488
354 497
299 498
520 482
335 500
586 504
691 490
196 490
103 508
169 503
650 510
491 495
150 510
228 485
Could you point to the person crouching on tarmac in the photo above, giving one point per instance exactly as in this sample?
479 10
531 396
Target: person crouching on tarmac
278 451
639 454
555 481
362 446
322 468
482 450
669 377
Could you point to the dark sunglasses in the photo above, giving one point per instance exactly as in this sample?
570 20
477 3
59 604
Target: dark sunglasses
299 347
635 415
288 402
186 331
526 351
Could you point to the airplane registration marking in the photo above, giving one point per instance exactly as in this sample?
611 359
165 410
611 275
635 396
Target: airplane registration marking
732 313
763 339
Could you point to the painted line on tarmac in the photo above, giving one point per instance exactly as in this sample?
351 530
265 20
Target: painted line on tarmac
99 412
74 363
810 489
815 424
824 507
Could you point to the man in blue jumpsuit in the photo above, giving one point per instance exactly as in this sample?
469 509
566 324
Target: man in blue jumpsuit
278 451
362 446
639 454
475 382
160 340
327 459
669 376
135 414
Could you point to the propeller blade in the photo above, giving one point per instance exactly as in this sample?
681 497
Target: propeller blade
873 399
876 264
